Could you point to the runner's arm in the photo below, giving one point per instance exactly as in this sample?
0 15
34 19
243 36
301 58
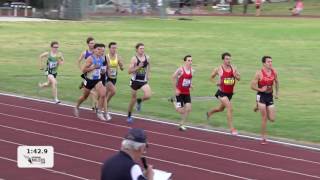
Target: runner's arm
254 83
214 74
236 73
174 78
61 59
81 57
120 63
41 59
132 68
108 66
276 82
148 68
87 67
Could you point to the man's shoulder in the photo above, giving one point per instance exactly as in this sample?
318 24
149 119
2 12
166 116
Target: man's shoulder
122 156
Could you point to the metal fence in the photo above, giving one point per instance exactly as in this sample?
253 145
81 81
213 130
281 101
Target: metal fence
86 9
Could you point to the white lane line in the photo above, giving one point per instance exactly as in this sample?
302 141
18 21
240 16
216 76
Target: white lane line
168 147
170 123
111 149
50 170
165 134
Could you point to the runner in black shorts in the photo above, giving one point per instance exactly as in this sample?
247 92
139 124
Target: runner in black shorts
84 55
263 83
139 69
265 98
93 70
228 75
54 59
181 82
112 81
114 62
82 58
182 99
220 94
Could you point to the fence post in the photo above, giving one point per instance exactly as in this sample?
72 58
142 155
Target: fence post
25 11
15 11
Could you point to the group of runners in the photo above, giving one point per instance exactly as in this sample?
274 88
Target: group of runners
99 76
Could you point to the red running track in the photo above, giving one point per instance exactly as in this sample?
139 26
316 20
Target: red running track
82 144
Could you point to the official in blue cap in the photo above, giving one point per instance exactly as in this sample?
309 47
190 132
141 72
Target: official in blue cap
123 165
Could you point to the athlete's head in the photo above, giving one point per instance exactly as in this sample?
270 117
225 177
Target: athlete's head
54 46
90 42
267 61
98 49
188 60
140 48
112 47
226 57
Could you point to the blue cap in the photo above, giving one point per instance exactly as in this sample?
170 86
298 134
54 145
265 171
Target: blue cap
136 135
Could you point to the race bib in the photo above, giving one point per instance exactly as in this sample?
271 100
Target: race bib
84 82
141 71
53 64
186 82
113 72
178 105
228 81
104 68
96 73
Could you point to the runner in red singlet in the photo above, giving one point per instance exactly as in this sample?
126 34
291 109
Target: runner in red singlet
181 81
228 74
263 83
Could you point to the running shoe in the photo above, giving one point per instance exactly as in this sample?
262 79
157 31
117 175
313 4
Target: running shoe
264 141
130 120
182 128
107 116
138 106
234 132
57 101
101 116
76 112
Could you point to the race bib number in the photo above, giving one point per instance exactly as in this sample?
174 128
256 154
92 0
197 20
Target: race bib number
103 68
53 64
141 71
186 82
113 72
228 81
96 73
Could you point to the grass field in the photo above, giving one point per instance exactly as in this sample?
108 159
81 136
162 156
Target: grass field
293 44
